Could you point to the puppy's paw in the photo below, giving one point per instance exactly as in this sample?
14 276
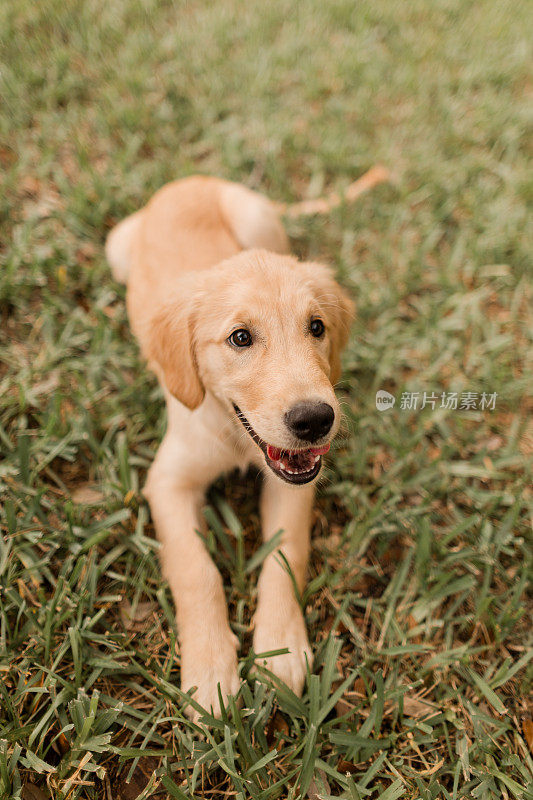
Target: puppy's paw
281 628
208 659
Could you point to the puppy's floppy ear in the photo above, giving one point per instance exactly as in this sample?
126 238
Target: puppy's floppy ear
338 310
171 345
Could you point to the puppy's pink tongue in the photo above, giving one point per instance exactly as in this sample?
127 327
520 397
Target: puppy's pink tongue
274 453
320 451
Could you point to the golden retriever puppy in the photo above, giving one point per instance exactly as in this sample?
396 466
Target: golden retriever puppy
246 343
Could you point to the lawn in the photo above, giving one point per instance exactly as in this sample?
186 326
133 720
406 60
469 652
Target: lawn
417 603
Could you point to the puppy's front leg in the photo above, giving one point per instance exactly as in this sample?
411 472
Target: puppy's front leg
207 645
279 622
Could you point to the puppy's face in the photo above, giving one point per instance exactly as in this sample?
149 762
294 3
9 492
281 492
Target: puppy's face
263 333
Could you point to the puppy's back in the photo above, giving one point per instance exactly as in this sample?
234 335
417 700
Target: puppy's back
188 225
193 223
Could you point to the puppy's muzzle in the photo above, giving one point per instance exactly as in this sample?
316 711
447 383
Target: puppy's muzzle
293 466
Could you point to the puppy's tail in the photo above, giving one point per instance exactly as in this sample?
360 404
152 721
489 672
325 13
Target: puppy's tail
323 205
253 219
119 246
256 221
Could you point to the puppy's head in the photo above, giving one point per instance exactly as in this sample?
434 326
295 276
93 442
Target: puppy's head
264 334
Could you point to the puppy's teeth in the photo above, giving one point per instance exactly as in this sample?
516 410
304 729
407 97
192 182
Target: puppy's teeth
316 458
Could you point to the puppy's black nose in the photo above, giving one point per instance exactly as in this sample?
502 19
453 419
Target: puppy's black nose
310 421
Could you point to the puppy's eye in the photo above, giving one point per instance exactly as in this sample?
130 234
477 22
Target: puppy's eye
317 328
240 338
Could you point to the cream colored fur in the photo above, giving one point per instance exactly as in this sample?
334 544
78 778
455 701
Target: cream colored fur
194 273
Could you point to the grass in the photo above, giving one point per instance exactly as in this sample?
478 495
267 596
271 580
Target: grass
417 603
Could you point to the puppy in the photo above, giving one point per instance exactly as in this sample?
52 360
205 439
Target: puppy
246 343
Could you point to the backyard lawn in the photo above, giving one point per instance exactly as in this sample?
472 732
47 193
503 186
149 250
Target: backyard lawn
419 604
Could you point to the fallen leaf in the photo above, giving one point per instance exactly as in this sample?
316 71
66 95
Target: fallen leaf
314 793
130 790
412 623
346 767
87 495
60 744
527 727
494 443
277 724
342 707
31 185
8 157
414 707
133 618
32 792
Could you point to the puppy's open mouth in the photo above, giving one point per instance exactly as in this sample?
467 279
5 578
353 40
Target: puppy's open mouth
293 466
